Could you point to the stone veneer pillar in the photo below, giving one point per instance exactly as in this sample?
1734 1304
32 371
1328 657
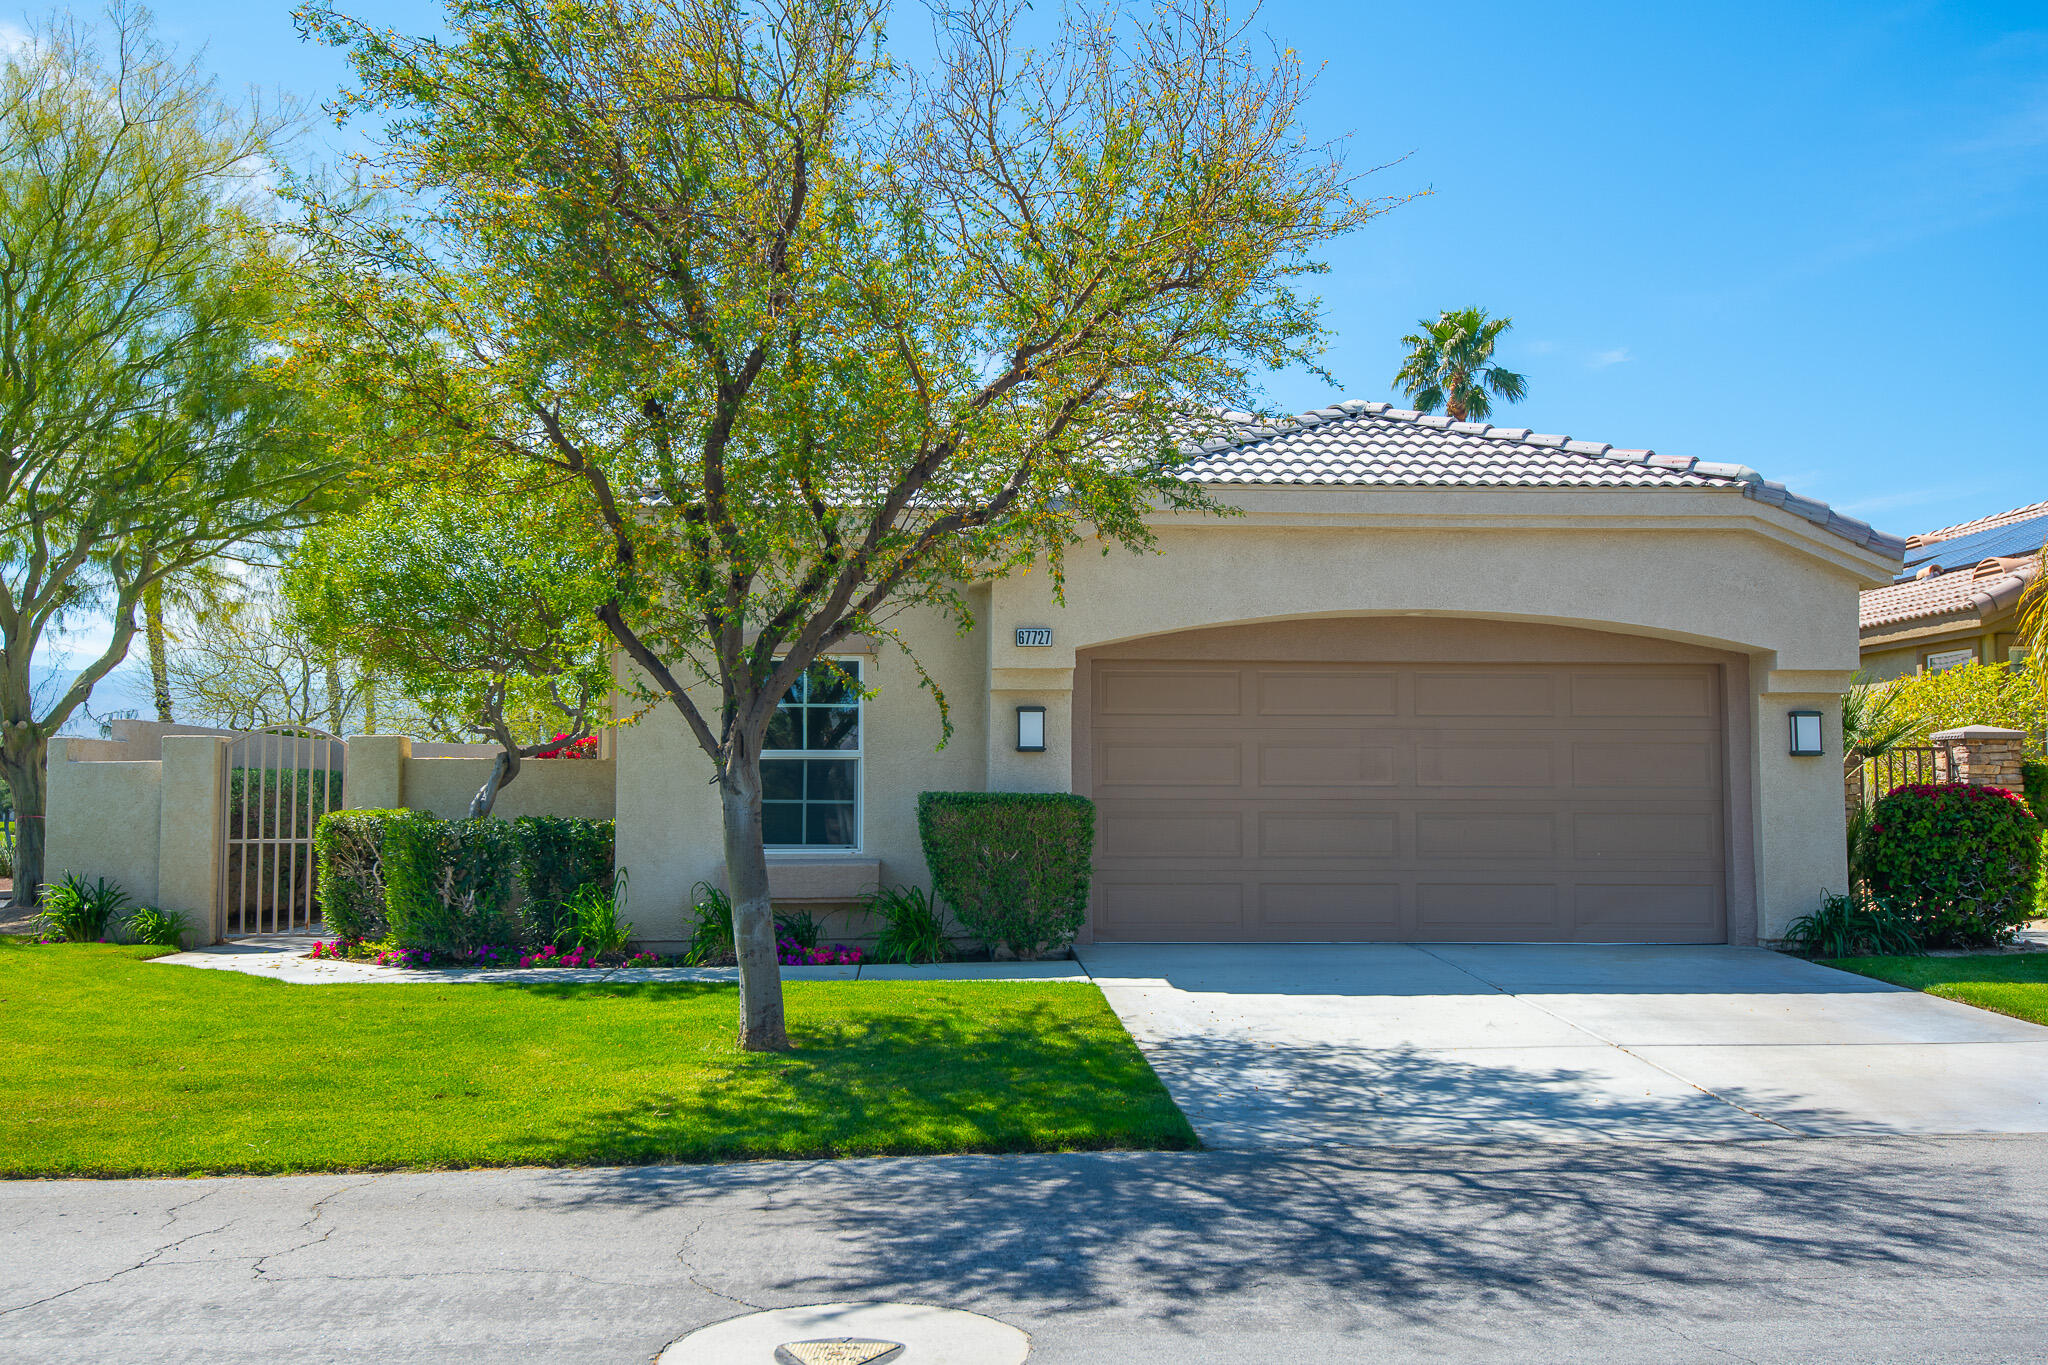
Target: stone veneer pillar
1980 755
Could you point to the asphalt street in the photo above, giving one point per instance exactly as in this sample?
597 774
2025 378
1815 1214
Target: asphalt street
1796 1249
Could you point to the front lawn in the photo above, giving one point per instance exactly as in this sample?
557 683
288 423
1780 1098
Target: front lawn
2011 983
113 1067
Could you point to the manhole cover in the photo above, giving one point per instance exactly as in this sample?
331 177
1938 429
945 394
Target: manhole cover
852 1334
842 1352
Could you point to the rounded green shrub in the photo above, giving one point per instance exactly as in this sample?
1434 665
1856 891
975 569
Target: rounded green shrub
1013 866
1956 862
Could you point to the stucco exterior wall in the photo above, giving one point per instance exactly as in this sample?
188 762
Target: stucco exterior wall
103 822
670 830
1702 569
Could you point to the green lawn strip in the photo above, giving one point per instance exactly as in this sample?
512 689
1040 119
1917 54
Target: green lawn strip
117 1068
2011 983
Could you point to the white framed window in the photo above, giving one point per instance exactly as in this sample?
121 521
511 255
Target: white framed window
1951 658
810 762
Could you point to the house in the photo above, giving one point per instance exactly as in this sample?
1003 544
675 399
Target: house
1440 681
1956 600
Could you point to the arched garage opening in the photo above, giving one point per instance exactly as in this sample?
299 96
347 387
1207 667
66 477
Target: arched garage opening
1409 778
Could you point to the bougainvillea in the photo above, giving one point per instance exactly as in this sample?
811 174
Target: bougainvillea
1956 861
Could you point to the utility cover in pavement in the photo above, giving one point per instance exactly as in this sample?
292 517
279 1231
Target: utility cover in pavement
852 1334
842 1352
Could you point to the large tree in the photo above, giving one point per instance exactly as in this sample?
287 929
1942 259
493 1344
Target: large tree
811 337
139 436
1450 366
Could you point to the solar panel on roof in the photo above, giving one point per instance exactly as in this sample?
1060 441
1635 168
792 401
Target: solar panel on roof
2000 542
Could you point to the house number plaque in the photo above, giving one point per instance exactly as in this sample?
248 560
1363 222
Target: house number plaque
1034 637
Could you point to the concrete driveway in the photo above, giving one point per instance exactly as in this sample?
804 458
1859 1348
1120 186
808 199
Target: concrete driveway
1268 1046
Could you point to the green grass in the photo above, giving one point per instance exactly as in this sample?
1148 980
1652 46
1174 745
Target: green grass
113 1067
2011 983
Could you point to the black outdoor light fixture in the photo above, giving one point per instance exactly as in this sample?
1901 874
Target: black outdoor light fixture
1805 734
1031 729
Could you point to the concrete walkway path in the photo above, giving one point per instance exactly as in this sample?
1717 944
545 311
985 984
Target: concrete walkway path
282 957
1273 1047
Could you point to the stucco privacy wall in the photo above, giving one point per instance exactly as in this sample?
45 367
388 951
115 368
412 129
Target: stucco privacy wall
383 775
670 826
151 827
1707 568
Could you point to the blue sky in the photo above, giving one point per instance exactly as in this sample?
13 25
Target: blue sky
1809 237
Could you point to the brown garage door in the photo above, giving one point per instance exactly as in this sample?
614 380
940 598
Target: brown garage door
1542 802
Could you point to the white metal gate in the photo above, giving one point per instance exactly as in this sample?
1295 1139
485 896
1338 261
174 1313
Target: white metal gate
277 784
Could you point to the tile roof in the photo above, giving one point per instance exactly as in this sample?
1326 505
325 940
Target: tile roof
1979 590
1376 444
1964 528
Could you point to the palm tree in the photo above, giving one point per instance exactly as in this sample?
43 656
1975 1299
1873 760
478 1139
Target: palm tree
1450 365
191 592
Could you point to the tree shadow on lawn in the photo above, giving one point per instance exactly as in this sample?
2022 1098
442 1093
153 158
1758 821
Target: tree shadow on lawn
1403 1232
877 1074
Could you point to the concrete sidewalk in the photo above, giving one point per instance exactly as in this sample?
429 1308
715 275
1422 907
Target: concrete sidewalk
282 957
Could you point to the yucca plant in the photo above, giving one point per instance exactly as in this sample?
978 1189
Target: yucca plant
711 937
76 913
591 918
1847 927
913 925
162 928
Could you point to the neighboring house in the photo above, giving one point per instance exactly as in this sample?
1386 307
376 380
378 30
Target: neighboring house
1956 600
1439 682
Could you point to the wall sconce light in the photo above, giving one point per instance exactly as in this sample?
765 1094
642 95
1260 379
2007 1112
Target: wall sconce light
1031 729
1805 734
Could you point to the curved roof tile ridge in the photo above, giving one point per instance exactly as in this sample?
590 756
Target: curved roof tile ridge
1253 430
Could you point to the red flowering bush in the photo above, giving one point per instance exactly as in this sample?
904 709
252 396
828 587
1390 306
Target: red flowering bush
1957 862
585 747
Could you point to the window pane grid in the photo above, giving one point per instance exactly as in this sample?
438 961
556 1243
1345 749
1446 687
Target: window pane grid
810 767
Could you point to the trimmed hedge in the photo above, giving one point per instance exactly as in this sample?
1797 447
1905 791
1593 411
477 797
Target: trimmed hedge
1014 866
350 846
448 883
1957 862
558 857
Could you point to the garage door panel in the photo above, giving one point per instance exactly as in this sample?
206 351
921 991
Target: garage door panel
1488 909
1152 762
1309 906
1331 761
1485 693
1170 692
1352 692
1262 800
1479 834
1170 907
1506 764
1642 695
1173 834
1647 765
1661 836
1328 834
1648 911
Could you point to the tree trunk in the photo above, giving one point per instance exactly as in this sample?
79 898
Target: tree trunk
369 707
22 767
159 642
504 768
337 705
753 914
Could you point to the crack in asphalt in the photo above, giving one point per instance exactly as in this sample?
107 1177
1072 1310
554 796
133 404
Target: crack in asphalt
125 1270
690 1272
318 1209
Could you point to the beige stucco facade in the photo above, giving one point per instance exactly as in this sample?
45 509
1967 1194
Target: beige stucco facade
1703 575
